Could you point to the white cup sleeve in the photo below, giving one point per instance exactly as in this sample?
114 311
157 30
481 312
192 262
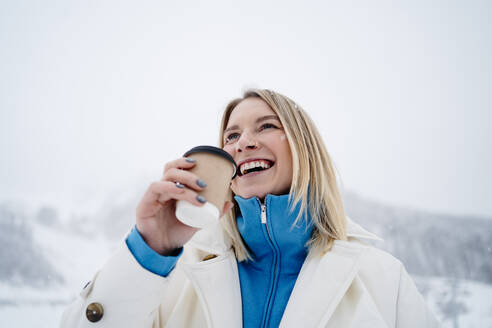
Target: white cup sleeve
197 216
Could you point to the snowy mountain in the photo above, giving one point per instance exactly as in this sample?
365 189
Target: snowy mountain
22 262
429 244
45 259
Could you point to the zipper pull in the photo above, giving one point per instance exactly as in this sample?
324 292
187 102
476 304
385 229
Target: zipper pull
263 214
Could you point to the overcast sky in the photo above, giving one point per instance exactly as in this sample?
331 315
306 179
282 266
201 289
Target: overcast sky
95 96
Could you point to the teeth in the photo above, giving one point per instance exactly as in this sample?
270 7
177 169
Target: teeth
250 165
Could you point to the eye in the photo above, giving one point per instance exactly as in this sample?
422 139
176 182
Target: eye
231 137
267 126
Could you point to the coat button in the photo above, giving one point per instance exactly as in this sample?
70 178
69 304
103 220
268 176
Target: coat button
94 312
209 257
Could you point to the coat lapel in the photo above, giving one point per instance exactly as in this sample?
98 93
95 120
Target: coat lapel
323 281
321 284
215 280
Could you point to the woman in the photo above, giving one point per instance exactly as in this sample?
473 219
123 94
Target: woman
286 256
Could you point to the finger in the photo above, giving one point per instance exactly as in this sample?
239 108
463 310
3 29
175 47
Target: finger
227 207
164 190
190 196
180 163
187 178
150 201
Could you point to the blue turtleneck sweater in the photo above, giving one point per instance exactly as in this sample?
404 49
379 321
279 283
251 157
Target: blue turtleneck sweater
276 246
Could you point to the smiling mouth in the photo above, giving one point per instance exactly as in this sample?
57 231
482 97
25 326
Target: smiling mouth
255 166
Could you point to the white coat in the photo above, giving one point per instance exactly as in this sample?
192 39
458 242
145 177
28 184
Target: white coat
353 285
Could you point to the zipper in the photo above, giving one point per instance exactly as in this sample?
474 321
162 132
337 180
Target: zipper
271 293
263 214
264 221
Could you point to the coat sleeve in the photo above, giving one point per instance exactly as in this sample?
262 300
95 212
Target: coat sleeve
412 310
128 294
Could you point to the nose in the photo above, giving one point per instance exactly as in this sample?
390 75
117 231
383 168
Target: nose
246 142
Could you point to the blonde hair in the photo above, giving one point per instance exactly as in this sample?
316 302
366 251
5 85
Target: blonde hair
314 182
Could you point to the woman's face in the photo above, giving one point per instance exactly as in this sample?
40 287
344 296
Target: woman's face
256 140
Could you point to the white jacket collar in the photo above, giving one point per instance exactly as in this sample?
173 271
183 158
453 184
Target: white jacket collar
215 240
356 231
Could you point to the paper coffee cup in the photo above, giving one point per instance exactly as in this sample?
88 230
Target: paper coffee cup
217 168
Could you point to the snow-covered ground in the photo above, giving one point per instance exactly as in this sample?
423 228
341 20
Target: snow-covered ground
466 303
75 256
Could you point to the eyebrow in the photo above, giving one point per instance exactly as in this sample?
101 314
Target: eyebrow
258 120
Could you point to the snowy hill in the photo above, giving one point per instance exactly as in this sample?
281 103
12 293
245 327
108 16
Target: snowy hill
45 260
429 244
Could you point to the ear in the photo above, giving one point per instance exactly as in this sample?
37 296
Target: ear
227 207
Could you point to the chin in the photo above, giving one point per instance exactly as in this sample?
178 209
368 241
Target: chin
251 193
261 194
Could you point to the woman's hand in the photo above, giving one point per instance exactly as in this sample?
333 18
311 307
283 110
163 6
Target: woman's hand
156 219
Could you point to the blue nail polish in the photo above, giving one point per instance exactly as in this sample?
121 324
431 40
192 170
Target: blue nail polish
201 199
190 160
201 183
179 185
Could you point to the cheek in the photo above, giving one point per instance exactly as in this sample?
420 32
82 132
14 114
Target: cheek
286 154
229 149
283 146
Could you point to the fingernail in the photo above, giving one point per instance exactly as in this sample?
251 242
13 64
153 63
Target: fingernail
190 160
201 183
201 199
180 185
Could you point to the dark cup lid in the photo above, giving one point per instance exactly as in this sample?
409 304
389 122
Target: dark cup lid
213 150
